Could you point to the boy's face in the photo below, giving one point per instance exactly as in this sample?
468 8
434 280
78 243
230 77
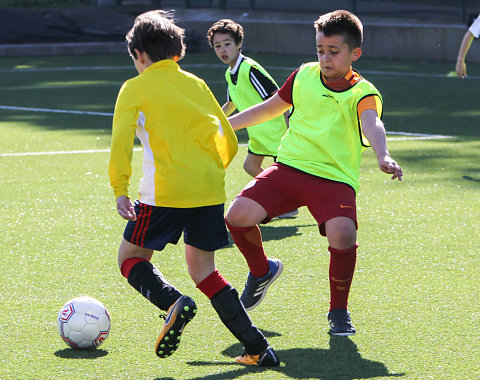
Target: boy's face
225 48
335 56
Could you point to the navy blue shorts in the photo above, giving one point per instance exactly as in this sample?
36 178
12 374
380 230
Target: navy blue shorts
202 227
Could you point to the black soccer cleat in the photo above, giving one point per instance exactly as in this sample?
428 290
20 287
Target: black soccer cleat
340 322
267 358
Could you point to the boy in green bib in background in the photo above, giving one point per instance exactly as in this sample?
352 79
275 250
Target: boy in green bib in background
248 84
336 114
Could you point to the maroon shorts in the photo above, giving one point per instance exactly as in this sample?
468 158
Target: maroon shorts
281 188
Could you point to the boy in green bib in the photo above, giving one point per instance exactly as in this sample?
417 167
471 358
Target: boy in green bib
248 84
336 114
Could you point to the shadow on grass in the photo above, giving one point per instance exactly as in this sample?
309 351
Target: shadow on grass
271 232
275 233
72 353
341 360
469 178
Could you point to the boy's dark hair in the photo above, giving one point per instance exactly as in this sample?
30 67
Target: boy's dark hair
156 34
226 26
342 23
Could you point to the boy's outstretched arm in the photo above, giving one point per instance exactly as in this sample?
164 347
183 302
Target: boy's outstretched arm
259 113
461 67
374 131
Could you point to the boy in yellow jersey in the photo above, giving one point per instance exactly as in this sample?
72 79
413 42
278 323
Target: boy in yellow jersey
187 144
336 113
248 84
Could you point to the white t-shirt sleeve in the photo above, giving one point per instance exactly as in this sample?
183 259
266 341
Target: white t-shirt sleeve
475 27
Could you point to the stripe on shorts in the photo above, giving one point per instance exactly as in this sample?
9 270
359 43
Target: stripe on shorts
143 221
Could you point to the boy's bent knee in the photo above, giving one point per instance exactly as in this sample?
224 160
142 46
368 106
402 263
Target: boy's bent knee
341 232
245 212
233 219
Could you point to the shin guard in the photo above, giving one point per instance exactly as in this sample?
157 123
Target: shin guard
151 284
234 316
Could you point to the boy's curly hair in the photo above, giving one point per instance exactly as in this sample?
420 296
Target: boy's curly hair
226 26
156 33
342 23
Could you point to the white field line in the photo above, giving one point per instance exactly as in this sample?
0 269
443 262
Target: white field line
90 68
50 110
88 151
412 136
405 135
218 65
65 68
415 136
409 135
59 152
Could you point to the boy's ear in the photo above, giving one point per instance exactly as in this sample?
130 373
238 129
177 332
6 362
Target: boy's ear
357 52
140 56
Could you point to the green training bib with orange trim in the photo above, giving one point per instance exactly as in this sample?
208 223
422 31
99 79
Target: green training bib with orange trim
324 136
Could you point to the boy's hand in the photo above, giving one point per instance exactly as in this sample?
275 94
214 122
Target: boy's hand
388 165
125 208
461 69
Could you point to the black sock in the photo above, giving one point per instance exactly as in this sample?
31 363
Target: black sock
235 317
151 284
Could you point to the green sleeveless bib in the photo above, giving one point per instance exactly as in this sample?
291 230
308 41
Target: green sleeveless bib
263 139
324 136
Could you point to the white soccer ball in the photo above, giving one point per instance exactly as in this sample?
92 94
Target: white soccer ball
83 323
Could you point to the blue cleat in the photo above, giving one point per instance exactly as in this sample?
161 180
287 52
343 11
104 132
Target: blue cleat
256 288
340 322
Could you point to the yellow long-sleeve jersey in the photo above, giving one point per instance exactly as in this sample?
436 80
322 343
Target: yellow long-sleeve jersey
187 140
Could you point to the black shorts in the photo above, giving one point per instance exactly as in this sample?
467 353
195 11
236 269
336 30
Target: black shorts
202 227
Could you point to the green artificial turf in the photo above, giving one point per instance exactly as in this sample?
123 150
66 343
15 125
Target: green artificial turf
415 291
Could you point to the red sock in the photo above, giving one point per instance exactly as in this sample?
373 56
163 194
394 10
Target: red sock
212 284
249 242
128 264
342 266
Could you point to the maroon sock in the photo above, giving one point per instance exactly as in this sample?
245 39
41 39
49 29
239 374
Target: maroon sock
249 242
212 284
342 266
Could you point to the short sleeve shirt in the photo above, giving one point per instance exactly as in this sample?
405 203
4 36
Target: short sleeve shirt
342 84
475 27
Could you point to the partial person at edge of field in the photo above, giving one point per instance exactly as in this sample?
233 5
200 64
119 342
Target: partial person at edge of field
472 32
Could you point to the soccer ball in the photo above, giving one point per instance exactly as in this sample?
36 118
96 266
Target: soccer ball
83 323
